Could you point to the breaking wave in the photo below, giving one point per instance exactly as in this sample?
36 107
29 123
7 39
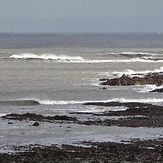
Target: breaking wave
146 100
148 88
130 72
140 55
21 102
77 59
46 57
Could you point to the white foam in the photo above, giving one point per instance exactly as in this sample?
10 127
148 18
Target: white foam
149 58
146 100
126 72
136 53
71 102
132 72
53 102
75 59
96 109
133 60
147 88
2 114
46 57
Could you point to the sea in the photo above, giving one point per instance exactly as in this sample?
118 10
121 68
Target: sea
61 71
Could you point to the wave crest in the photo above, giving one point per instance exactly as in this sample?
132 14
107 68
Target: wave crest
21 102
78 59
130 72
146 100
46 57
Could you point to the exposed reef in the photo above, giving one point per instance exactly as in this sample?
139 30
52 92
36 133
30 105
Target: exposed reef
132 150
132 115
135 115
125 80
38 117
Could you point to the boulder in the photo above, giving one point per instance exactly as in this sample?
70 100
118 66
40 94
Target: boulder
36 124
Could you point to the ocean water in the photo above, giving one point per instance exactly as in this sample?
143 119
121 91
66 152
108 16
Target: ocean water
62 71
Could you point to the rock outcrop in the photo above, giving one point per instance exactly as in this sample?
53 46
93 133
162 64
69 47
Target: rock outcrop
38 117
124 80
160 90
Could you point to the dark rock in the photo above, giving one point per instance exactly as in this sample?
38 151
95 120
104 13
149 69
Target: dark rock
137 151
37 117
124 80
68 126
36 124
137 115
158 90
104 88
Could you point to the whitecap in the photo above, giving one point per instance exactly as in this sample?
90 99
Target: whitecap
71 102
58 58
75 59
60 102
147 88
2 114
130 72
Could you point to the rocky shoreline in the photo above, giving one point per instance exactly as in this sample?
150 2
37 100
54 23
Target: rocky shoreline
132 115
135 79
125 115
107 152
135 115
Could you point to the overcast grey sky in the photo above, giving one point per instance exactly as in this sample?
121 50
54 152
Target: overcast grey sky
81 16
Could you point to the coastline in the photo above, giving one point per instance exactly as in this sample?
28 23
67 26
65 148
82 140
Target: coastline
140 116
54 110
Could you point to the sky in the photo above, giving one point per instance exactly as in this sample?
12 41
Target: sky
81 16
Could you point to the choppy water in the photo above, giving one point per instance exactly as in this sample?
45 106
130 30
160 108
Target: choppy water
62 71
65 68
